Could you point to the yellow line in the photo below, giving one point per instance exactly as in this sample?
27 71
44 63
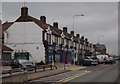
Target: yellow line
74 77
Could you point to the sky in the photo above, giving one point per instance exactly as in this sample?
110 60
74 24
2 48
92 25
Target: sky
99 23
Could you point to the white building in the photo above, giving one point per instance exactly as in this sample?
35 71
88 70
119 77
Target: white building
26 35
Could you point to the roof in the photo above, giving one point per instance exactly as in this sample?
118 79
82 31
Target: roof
67 35
6 25
26 18
55 31
5 48
76 39
101 46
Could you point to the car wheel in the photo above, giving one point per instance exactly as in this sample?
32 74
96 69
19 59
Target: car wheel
21 67
90 64
95 64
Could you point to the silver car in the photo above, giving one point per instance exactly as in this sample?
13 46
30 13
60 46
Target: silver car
22 63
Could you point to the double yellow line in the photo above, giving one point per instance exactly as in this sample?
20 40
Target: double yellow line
73 77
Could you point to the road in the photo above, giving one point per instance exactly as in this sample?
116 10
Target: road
99 73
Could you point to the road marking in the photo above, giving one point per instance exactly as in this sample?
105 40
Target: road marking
73 77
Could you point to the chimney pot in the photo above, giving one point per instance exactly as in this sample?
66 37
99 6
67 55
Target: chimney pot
43 19
72 33
24 11
78 35
55 24
82 37
65 29
86 39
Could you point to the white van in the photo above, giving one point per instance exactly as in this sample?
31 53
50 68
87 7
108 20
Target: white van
101 58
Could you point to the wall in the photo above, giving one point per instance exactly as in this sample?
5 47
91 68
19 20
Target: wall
26 36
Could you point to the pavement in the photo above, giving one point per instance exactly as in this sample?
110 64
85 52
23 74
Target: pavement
61 68
3 68
95 74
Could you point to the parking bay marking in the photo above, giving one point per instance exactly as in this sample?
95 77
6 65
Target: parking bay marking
73 77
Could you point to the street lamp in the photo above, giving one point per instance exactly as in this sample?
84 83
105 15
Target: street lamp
76 16
73 29
63 36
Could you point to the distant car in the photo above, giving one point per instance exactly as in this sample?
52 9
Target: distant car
94 60
87 60
109 60
21 63
100 60
117 59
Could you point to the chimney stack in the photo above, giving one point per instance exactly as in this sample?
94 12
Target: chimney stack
72 33
86 39
55 24
82 37
65 29
78 35
24 11
43 19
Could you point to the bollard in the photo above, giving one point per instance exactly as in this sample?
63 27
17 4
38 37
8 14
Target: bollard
50 67
10 72
35 69
43 68
26 76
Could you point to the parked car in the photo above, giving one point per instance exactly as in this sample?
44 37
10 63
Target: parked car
101 57
94 60
100 60
109 60
21 63
87 60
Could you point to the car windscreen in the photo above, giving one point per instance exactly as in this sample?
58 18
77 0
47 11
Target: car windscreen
93 57
108 59
23 61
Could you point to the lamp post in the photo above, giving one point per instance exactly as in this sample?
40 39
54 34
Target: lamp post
63 48
76 16
73 28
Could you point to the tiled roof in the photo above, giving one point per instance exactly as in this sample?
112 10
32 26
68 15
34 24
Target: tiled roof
67 35
101 46
6 25
5 48
26 18
55 31
76 39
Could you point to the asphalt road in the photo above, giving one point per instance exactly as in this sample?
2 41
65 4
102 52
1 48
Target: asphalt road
106 74
100 73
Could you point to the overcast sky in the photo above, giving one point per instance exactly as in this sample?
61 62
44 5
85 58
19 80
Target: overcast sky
99 23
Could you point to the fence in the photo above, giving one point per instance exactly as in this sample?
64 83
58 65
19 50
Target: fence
18 75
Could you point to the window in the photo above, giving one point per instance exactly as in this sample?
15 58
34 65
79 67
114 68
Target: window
67 42
62 41
46 36
49 38
56 40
